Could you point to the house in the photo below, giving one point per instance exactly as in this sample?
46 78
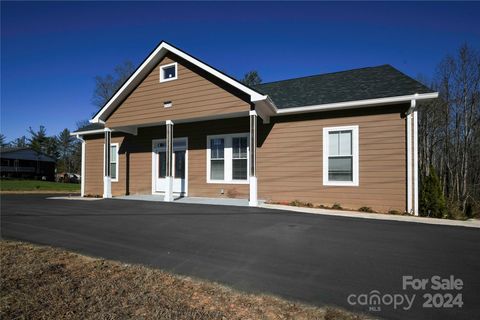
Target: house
26 163
178 126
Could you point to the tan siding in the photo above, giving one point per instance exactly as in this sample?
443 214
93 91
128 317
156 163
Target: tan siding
194 94
94 166
290 159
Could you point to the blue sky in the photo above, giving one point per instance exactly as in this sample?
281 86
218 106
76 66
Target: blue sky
51 51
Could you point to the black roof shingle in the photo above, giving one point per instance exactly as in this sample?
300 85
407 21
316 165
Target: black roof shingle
358 84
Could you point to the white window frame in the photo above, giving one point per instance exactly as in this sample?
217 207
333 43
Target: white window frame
117 147
355 151
228 158
162 79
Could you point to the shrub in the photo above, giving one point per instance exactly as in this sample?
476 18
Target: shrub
337 206
298 203
394 212
366 209
432 201
232 193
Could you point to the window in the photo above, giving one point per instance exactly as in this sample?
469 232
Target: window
227 158
340 156
239 158
168 72
114 162
217 159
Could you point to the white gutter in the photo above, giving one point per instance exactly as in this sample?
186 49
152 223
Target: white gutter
356 103
76 133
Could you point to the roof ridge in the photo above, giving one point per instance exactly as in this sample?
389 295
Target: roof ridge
327 73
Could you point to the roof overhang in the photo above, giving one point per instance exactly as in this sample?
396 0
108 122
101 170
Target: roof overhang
272 110
151 61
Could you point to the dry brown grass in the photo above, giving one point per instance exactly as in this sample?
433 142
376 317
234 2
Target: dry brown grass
39 282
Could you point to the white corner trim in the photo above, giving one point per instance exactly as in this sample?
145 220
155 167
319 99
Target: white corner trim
355 155
415 163
82 166
409 162
162 78
228 158
154 58
357 103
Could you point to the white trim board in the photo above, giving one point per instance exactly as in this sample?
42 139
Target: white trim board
355 156
227 179
148 65
117 171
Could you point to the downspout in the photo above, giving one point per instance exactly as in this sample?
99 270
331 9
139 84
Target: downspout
82 170
412 164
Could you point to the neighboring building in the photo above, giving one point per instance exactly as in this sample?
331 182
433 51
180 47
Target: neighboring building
26 163
178 126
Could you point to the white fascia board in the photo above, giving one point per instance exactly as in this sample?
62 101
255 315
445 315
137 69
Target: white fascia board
154 57
358 103
81 133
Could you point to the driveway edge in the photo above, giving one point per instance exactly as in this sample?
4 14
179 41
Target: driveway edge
376 216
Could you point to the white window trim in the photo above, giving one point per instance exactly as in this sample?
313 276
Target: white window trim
228 159
162 79
355 152
118 161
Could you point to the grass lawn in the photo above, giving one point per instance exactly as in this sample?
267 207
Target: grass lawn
39 282
37 185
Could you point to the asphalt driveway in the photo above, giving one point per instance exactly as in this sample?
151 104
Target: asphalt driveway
312 258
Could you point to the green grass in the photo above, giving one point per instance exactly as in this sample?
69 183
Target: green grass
36 185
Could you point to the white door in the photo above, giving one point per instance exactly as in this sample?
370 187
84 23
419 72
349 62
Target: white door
180 163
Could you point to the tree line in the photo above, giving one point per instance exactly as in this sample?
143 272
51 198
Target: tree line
449 134
449 138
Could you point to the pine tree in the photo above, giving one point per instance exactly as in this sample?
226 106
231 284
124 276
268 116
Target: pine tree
432 201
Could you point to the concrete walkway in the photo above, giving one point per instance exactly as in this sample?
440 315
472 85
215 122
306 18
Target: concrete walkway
472 223
191 200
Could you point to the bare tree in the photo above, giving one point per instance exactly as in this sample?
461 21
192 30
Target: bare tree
106 86
450 129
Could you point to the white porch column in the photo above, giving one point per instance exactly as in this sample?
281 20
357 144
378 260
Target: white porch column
107 180
253 200
169 160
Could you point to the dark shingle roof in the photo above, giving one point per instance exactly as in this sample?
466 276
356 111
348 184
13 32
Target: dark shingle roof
358 84
91 126
25 153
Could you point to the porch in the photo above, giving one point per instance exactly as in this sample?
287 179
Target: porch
189 200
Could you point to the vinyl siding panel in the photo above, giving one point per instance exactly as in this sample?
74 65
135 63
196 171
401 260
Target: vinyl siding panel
290 159
135 166
195 94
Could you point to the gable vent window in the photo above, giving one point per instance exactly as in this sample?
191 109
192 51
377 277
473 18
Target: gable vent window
168 72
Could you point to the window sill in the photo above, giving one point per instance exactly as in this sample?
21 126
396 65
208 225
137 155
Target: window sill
228 182
340 183
168 79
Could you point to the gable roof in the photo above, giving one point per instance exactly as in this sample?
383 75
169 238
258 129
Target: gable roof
356 88
351 85
150 62
90 128
25 154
